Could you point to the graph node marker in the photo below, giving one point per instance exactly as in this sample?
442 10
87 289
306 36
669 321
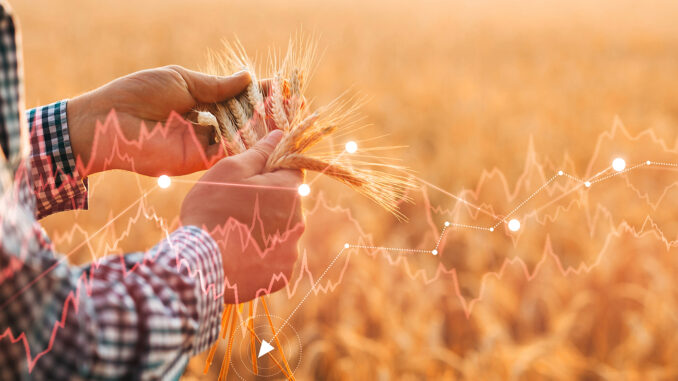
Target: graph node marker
434 252
514 225
560 173
587 184
346 246
351 147
164 181
304 190
618 164
491 229
447 223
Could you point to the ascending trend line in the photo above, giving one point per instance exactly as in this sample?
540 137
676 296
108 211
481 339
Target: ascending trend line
266 346
586 183
502 220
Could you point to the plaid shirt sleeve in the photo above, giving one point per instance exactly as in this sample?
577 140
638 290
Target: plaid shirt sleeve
56 183
139 316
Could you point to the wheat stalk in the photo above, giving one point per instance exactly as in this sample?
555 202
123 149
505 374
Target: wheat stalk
241 121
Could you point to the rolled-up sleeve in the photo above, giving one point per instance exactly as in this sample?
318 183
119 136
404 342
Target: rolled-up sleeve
56 183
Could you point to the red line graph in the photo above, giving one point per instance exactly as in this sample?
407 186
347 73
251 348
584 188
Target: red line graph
540 198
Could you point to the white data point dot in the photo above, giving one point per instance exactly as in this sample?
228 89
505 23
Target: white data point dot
514 225
434 252
164 181
491 229
346 246
304 190
648 162
618 164
587 184
560 173
351 147
447 223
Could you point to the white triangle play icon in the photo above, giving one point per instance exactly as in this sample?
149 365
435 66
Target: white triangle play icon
265 348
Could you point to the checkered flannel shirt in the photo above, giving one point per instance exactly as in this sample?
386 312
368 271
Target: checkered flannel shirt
137 316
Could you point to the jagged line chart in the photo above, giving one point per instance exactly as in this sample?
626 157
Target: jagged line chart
468 304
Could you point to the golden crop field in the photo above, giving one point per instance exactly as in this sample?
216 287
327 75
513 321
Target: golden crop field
490 99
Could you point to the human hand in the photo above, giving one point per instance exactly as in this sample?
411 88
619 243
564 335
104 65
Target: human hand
254 217
148 97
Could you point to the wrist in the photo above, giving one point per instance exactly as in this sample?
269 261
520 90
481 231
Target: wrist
92 146
81 130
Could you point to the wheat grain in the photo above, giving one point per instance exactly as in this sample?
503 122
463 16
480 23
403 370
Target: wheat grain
249 137
277 108
237 111
247 133
229 131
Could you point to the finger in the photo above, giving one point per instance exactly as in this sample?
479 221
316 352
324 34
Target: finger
254 159
205 88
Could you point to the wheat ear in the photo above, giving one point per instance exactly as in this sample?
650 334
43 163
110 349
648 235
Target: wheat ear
243 120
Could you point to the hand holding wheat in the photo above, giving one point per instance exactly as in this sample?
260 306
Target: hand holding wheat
142 102
270 248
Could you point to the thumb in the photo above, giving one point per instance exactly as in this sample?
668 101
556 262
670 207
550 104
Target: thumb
254 159
205 88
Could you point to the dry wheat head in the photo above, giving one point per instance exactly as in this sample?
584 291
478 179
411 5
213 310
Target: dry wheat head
279 103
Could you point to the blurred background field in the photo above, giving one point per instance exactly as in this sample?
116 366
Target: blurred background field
492 96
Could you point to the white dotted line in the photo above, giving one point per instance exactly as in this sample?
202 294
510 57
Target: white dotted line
599 174
388 248
242 361
588 184
660 163
526 200
619 173
471 226
309 292
442 233
572 177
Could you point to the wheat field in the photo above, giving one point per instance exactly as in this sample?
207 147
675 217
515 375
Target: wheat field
490 98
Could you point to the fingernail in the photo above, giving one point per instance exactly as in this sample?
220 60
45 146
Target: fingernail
240 73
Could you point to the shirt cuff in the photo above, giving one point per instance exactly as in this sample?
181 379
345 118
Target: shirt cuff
200 255
57 185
